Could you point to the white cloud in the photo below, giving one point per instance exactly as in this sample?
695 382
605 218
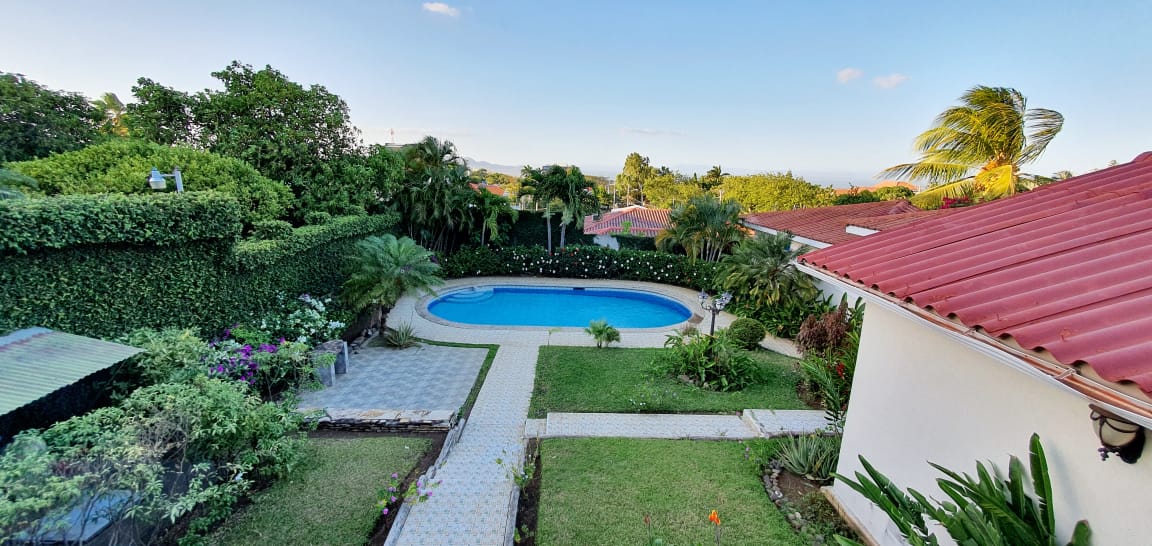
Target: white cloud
889 81
441 8
846 75
649 132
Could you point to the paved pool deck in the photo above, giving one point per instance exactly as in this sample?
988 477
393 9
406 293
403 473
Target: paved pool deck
475 503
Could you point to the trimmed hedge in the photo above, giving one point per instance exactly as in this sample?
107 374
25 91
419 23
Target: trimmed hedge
105 290
161 219
529 230
582 262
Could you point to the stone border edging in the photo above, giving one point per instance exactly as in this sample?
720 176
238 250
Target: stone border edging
405 508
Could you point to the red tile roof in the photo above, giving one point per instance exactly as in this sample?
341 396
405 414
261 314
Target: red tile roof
644 221
892 221
1065 268
492 188
826 224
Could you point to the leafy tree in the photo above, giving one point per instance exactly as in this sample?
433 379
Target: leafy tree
161 114
113 110
385 268
891 193
36 121
856 196
630 182
704 227
979 146
775 191
665 190
761 271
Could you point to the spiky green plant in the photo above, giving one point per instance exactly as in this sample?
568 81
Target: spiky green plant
985 510
602 332
385 268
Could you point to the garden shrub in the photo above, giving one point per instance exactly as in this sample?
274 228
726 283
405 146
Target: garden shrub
748 332
159 219
711 362
141 270
122 166
813 456
591 262
317 218
270 230
829 344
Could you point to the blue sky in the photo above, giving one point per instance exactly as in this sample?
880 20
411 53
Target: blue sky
834 91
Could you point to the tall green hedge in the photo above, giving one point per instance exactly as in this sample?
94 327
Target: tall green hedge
582 262
530 230
105 287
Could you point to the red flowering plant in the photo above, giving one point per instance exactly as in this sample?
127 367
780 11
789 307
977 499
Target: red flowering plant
829 344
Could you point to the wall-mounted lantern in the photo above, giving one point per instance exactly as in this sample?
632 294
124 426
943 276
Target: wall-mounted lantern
157 182
1117 435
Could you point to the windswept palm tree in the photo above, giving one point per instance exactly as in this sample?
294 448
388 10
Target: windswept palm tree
979 146
384 269
762 269
705 227
113 110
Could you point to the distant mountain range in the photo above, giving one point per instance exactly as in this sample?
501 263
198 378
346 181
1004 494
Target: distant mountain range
838 179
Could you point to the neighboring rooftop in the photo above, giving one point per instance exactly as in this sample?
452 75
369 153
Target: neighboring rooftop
824 226
642 221
492 188
37 361
1065 268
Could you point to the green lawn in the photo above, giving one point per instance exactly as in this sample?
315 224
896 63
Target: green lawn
586 379
598 490
329 499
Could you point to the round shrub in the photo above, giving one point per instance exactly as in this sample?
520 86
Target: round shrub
747 332
271 229
317 218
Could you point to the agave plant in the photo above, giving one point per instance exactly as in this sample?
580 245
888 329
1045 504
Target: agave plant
985 510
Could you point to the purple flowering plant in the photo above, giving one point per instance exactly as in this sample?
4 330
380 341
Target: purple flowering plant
391 497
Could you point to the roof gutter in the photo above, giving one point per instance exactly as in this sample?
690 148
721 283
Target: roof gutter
1063 376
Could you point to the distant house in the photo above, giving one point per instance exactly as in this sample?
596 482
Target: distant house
634 220
494 189
821 227
990 323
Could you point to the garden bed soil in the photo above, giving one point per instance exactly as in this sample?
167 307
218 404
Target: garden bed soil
804 495
529 502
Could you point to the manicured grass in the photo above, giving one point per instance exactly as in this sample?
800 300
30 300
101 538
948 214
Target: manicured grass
614 380
330 498
598 490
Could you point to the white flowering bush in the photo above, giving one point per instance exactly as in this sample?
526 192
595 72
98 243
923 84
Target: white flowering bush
582 262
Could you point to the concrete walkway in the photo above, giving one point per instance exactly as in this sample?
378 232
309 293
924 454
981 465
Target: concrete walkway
475 503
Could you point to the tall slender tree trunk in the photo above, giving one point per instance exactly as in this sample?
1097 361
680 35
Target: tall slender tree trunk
563 231
548 224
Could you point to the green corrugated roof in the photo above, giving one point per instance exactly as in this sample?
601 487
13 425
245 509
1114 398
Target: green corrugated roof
37 361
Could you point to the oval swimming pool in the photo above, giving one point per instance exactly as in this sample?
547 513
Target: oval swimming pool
557 306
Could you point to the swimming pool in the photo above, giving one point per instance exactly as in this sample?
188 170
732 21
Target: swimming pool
557 306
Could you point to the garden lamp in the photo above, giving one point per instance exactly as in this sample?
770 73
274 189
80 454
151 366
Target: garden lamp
1117 435
157 182
714 305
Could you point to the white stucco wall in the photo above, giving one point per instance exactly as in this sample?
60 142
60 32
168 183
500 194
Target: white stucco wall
920 396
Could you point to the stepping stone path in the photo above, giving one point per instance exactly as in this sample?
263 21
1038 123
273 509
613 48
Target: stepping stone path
476 501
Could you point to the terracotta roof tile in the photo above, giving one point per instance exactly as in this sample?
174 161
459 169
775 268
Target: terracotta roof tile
1065 268
826 224
644 221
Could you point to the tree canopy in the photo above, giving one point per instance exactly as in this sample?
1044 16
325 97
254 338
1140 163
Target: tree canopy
775 191
36 121
977 148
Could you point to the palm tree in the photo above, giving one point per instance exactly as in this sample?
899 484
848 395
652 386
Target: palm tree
979 146
761 269
384 269
113 111
577 199
435 197
490 208
712 178
705 227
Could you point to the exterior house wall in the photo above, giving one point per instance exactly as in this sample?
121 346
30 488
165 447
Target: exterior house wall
921 395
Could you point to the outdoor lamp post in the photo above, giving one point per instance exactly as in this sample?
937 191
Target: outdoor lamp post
156 181
714 305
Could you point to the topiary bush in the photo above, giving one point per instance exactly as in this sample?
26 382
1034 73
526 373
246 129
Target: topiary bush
122 166
748 332
317 218
271 230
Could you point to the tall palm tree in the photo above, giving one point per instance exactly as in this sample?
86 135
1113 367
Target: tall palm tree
705 227
435 197
761 269
384 269
113 110
577 199
979 146
490 207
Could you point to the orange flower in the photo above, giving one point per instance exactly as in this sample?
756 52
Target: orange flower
714 517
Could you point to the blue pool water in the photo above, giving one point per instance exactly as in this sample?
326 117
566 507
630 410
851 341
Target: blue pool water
557 306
